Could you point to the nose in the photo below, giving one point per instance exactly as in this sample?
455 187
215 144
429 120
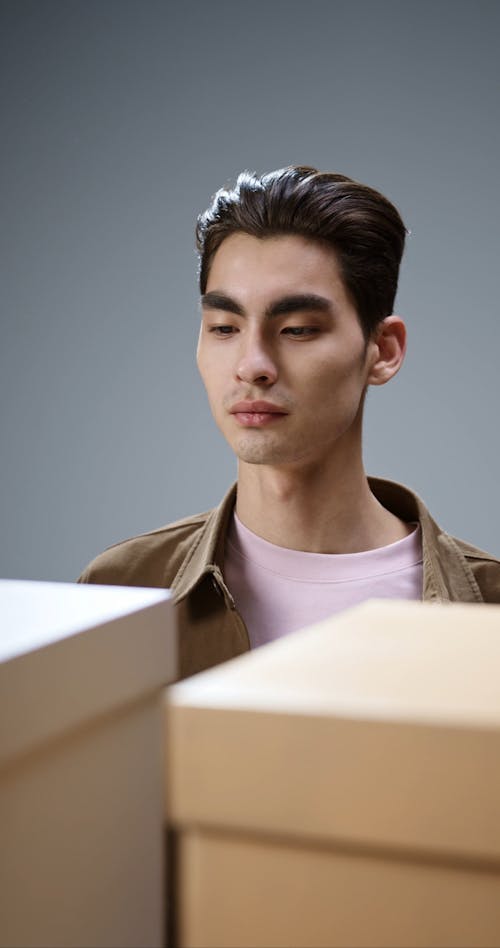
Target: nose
256 364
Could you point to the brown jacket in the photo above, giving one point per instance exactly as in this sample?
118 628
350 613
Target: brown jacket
187 556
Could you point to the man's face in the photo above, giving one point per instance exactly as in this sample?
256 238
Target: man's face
280 334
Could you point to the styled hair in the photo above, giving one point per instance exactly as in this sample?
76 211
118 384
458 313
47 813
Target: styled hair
362 226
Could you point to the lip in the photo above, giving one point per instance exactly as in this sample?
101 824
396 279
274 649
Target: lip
257 414
258 407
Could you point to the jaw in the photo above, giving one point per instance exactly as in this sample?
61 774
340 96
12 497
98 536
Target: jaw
303 464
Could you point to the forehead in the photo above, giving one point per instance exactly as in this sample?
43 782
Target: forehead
246 265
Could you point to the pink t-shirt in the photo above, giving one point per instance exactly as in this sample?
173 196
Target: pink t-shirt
278 591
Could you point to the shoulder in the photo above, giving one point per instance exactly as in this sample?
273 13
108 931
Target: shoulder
150 559
462 566
474 553
485 567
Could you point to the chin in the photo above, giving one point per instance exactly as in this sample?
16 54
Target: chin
253 452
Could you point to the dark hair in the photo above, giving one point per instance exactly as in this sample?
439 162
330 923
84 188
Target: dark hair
359 223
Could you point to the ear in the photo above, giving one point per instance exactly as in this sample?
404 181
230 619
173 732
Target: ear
388 350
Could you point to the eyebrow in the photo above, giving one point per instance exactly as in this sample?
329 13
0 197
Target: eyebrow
297 302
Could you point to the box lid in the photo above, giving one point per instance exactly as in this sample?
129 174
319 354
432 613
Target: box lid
70 652
380 727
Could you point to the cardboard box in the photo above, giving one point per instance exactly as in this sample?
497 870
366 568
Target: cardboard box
82 670
341 787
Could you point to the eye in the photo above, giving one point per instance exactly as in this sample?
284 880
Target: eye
300 332
222 330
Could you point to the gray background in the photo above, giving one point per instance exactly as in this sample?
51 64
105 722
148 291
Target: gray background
119 119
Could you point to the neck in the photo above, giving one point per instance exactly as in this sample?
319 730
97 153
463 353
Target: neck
324 507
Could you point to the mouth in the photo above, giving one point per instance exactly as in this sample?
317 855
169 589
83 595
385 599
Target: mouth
257 414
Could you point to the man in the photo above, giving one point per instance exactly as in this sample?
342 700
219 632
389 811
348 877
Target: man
298 276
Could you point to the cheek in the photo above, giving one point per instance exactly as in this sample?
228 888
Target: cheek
212 379
336 385
216 364
200 361
203 360
206 376
201 366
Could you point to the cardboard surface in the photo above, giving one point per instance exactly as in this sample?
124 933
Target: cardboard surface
240 891
379 728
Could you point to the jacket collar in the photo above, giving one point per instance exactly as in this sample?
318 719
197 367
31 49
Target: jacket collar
207 555
447 575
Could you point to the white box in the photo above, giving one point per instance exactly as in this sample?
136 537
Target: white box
82 668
